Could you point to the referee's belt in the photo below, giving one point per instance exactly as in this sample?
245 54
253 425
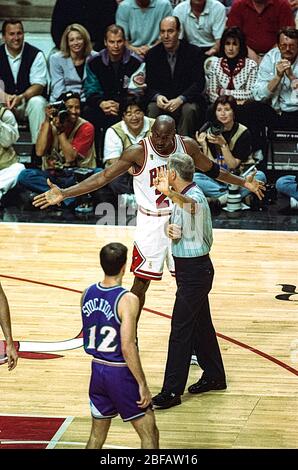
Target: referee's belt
154 214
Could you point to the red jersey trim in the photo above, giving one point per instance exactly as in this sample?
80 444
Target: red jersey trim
153 214
182 143
148 275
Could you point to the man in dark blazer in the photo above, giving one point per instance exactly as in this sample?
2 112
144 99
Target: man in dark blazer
175 79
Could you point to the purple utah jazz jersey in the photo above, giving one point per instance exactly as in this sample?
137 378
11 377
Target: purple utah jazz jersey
101 324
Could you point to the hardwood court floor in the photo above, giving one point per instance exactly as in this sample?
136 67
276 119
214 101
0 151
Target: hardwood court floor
257 332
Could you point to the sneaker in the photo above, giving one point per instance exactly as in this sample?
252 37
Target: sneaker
166 400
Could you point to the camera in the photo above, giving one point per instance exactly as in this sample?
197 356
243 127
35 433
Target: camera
215 129
59 109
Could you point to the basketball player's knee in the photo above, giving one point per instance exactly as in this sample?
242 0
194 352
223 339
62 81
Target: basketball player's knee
140 286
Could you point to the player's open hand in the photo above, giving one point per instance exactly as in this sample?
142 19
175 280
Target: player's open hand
12 356
255 186
161 182
50 198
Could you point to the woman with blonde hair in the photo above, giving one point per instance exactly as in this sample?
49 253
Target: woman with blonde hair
68 66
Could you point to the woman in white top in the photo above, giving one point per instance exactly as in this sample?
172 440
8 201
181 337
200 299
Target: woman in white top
233 73
68 66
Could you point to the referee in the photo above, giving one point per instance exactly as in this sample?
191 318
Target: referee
190 229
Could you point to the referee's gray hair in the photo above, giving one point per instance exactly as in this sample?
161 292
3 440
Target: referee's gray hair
183 164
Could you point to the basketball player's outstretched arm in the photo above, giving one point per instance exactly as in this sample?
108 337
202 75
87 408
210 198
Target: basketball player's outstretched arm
128 309
134 154
203 163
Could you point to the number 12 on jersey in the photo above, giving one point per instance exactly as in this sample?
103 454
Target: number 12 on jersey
105 339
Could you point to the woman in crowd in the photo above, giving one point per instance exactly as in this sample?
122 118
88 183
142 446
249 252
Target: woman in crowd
68 66
227 142
233 73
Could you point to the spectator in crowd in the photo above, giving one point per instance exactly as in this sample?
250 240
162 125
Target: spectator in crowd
65 142
94 15
232 73
133 127
228 143
175 78
140 20
23 70
288 186
107 79
190 230
10 352
68 66
10 168
277 81
202 23
260 21
294 6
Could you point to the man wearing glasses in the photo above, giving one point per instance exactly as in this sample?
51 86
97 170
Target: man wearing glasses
277 81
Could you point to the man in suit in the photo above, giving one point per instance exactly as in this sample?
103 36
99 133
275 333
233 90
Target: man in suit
175 79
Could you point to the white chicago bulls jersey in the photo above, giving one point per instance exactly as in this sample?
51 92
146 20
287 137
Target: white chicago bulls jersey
146 194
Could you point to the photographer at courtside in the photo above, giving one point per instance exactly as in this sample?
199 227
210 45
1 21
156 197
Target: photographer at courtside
65 143
228 143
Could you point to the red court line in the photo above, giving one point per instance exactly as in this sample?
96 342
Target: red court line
242 345
220 335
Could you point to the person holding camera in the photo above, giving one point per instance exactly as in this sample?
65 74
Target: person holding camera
65 142
228 143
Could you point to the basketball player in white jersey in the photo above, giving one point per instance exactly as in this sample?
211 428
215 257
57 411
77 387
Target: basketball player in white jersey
151 247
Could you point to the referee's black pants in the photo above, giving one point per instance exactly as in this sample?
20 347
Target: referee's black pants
191 327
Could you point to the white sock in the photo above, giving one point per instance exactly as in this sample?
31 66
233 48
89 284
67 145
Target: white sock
293 203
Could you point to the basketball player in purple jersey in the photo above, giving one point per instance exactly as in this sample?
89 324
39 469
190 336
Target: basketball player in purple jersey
151 246
118 383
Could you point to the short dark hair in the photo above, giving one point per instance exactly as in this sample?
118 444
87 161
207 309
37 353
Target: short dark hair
69 95
112 258
234 33
133 100
11 21
114 29
291 33
224 99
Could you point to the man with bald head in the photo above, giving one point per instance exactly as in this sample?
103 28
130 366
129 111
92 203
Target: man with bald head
151 247
175 79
